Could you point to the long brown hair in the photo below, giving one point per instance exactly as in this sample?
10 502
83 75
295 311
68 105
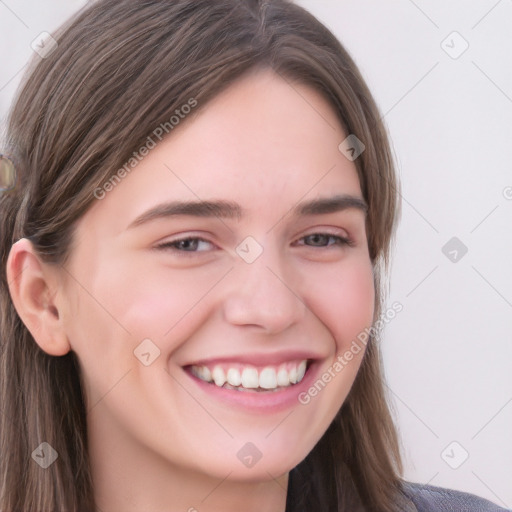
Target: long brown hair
121 69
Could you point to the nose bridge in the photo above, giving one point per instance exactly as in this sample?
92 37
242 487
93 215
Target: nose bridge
263 292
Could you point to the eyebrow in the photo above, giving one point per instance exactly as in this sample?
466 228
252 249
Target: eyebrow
232 210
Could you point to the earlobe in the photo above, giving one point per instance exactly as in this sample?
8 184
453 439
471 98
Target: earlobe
34 288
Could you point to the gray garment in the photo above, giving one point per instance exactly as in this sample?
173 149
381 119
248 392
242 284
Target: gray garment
428 498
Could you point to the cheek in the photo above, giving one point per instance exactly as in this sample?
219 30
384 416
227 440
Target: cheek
344 301
358 302
167 305
129 303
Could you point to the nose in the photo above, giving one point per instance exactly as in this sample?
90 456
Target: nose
262 294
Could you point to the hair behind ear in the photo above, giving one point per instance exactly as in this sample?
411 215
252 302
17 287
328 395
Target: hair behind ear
36 389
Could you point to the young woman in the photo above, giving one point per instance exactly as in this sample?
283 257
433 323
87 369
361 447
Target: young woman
192 259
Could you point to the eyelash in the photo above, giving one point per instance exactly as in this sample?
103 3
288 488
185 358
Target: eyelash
172 246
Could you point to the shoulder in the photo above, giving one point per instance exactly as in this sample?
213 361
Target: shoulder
428 498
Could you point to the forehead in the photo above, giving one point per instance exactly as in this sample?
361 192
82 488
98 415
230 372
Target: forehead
264 142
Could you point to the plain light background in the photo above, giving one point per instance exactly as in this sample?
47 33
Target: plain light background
448 108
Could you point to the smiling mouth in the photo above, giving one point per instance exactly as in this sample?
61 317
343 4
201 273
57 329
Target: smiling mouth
248 378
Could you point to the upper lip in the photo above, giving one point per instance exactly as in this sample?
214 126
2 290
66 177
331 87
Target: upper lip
258 359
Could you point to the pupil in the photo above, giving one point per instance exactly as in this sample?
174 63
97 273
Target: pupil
317 239
188 244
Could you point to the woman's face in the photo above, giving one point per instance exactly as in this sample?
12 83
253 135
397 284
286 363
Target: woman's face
163 294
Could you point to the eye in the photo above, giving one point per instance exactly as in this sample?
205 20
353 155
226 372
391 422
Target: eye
186 245
190 245
322 240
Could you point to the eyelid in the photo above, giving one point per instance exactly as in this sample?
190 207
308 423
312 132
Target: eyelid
331 230
325 230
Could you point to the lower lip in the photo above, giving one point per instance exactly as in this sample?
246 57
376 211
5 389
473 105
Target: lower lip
271 401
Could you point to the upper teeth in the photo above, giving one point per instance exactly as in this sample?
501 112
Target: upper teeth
249 377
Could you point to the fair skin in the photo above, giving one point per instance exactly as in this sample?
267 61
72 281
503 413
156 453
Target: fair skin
160 439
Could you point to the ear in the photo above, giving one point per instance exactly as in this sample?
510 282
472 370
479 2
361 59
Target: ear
34 287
